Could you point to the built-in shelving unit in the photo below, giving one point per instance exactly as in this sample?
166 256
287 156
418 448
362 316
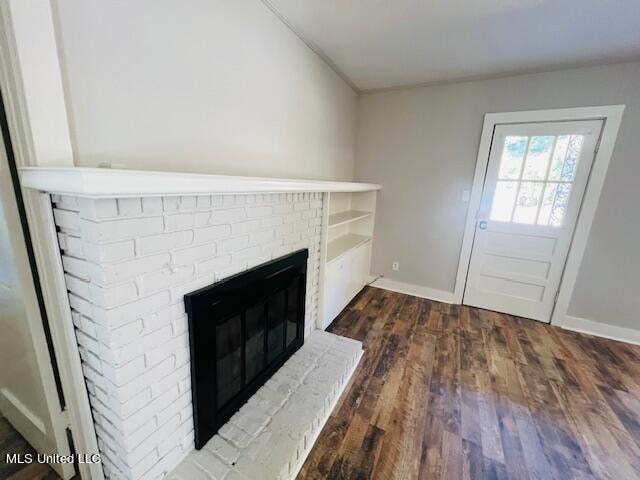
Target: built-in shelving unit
347 249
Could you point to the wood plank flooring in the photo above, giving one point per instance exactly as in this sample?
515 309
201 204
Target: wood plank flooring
446 391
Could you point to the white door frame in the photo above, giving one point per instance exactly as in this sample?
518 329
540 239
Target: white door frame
37 118
612 116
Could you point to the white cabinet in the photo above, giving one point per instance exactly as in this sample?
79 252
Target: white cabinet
336 286
359 272
344 278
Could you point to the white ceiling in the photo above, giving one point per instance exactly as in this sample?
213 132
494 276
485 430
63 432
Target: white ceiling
389 43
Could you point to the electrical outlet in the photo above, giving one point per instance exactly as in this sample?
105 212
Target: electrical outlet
466 195
395 266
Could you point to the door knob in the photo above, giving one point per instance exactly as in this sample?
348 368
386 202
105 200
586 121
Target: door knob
482 225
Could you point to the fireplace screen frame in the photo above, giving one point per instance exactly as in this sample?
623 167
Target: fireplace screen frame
212 306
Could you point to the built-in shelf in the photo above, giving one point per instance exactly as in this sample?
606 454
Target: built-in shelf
342 218
341 245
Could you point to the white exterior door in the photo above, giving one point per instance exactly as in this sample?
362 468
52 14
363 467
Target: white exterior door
534 184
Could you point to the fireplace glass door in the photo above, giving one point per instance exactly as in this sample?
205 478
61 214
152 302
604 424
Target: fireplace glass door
242 330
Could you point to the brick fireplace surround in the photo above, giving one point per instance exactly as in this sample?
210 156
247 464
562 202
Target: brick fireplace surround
128 262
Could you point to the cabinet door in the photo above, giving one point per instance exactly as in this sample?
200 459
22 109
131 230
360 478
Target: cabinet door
344 278
360 267
336 288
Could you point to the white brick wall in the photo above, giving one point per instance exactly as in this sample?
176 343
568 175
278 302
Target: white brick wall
128 263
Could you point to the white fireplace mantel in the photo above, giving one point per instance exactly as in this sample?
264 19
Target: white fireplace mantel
111 183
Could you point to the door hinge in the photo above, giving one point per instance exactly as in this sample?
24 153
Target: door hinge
555 299
598 144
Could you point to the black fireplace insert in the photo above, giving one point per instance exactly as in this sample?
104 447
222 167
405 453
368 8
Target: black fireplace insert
241 330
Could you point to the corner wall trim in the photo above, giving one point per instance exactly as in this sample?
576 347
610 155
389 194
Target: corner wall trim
415 290
598 329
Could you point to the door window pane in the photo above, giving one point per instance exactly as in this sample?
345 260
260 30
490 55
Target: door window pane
560 203
559 154
547 203
565 158
535 168
512 156
528 202
571 160
503 200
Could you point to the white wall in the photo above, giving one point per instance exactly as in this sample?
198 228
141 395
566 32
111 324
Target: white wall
32 84
421 145
208 86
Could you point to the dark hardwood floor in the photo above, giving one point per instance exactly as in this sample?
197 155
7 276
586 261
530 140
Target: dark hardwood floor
445 391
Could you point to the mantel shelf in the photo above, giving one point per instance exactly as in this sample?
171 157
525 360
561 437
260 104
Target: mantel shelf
111 183
343 244
343 218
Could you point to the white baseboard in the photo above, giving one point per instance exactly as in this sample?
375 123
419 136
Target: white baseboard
598 329
415 290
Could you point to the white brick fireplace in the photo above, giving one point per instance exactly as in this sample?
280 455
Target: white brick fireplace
128 260
128 264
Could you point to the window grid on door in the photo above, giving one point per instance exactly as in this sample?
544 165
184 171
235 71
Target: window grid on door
535 178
